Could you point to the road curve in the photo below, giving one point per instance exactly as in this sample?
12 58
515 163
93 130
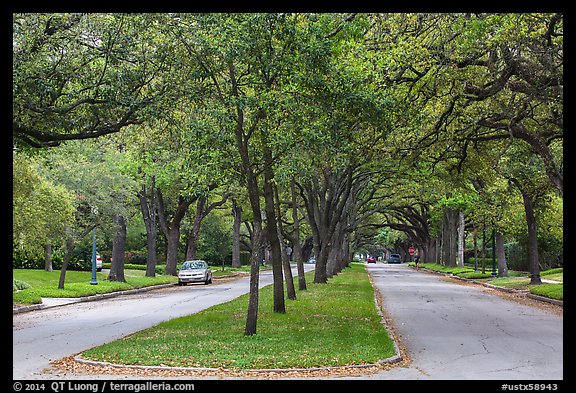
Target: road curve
463 332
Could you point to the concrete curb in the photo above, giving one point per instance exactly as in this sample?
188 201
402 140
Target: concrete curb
498 288
23 309
81 360
378 300
546 299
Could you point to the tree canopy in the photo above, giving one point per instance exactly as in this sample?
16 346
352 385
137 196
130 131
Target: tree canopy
333 134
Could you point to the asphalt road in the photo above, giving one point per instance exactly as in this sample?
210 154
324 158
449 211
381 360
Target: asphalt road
464 332
449 331
42 336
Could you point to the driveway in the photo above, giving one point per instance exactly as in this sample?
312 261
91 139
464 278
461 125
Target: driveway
42 336
454 331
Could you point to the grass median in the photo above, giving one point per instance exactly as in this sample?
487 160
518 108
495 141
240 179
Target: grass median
332 324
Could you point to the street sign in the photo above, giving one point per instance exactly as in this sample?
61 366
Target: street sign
411 251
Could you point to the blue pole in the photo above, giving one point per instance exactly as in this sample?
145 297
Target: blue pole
94 281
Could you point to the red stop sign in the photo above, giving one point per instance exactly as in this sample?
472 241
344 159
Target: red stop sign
411 251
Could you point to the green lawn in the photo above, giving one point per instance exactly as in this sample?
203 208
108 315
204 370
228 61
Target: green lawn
516 280
511 282
45 284
554 291
328 325
556 274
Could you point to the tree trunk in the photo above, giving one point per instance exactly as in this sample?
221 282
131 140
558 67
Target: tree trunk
48 258
501 255
150 215
237 214
171 230
257 238
344 254
445 244
532 236
252 314
324 206
195 230
430 254
290 290
331 261
334 265
461 238
296 246
449 237
320 272
242 140
69 248
118 247
475 240
202 212
272 230
483 248
172 243
308 248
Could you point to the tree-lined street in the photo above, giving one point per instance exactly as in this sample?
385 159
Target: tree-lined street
448 330
256 140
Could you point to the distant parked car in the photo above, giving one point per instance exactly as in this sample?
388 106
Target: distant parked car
98 263
371 259
312 260
394 258
194 271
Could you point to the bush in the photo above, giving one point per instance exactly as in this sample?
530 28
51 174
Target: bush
487 261
160 269
81 260
19 285
25 260
552 271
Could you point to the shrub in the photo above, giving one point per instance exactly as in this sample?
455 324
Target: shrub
19 285
552 271
160 269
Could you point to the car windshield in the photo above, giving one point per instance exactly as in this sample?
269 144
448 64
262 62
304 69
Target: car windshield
194 265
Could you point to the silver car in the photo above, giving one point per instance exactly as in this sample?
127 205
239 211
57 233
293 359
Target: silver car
194 271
